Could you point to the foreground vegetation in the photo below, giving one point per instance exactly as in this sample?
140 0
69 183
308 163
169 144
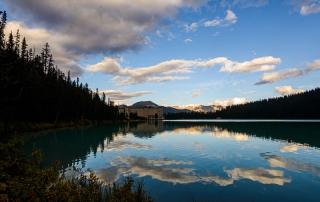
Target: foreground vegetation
23 179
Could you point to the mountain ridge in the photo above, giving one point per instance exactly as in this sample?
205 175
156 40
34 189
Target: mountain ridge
177 109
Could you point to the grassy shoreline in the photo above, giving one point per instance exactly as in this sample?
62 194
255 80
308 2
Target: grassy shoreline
23 127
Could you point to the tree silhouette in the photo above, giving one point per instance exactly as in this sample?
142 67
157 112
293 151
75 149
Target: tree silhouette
298 106
35 90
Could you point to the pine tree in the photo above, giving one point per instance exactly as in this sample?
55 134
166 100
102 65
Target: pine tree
17 43
30 54
24 52
10 43
45 54
103 98
2 26
69 78
51 64
29 94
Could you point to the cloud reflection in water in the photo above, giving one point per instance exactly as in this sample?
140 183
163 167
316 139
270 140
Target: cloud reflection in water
293 147
182 172
291 164
161 169
289 147
215 131
168 171
122 144
262 175
230 135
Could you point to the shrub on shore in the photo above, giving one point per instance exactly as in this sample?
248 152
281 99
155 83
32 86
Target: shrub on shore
23 179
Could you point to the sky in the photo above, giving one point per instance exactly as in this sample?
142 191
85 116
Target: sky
178 52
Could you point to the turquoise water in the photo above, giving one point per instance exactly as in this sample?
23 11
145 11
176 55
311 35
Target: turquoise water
205 160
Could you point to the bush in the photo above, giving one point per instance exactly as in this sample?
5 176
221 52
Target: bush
22 179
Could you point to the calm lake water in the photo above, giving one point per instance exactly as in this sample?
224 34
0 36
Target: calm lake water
208 161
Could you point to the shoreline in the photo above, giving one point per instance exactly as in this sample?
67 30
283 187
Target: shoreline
24 127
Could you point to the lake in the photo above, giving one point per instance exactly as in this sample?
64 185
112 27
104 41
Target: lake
198 159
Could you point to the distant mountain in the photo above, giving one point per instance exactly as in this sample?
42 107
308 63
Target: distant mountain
172 110
142 104
200 108
177 109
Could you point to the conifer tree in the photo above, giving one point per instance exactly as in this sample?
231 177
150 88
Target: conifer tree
50 64
17 43
2 26
30 54
41 92
45 54
10 43
24 52
103 98
69 78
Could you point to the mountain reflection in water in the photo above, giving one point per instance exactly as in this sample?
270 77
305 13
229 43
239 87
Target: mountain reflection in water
212 159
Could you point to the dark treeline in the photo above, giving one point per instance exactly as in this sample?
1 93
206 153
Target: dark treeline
298 132
34 90
298 106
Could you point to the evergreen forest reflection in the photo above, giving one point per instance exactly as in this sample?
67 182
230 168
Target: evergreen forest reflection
229 155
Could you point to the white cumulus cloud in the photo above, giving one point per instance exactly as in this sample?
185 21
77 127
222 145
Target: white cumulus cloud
289 73
76 29
119 95
234 101
158 73
279 75
106 66
310 9
172 69
255 65
230 19
192 27
196 93
313 66
305 7
244 3
287 90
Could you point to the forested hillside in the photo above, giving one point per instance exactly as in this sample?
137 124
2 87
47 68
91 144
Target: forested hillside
34 90
298 106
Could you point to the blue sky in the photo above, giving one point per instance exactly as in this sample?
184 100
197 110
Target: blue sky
178 52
